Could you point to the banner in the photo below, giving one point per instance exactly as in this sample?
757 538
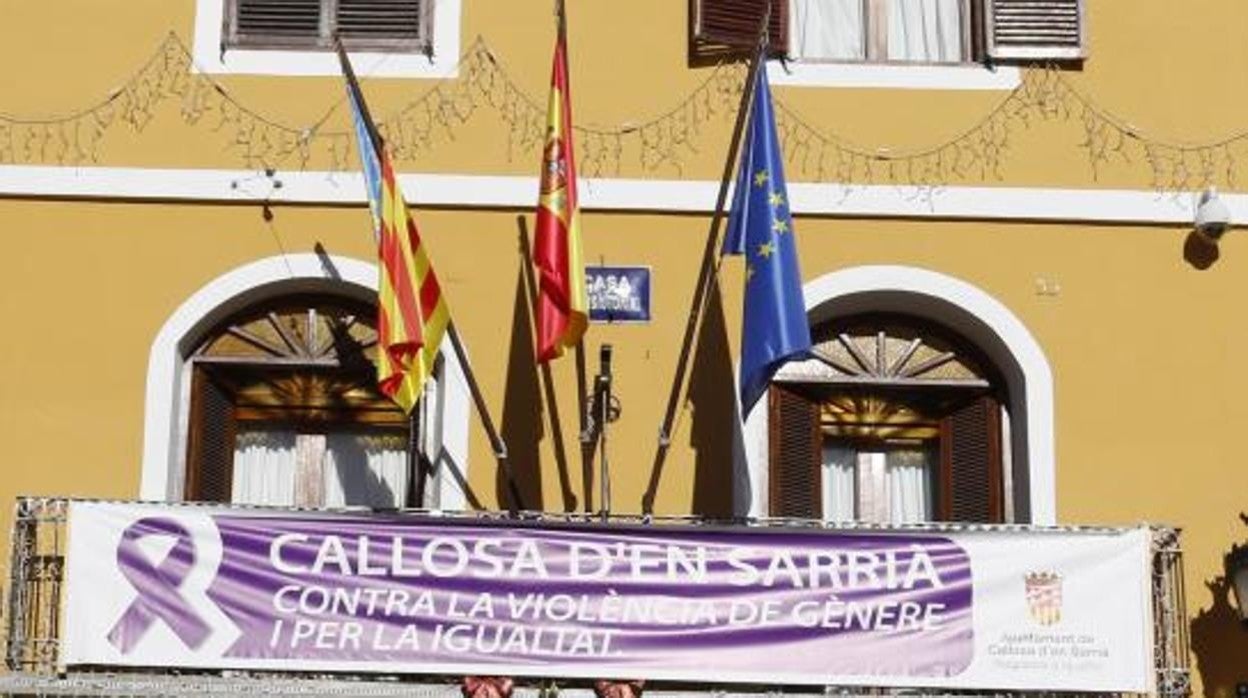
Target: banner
199 587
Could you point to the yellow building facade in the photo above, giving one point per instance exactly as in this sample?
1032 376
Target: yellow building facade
165 182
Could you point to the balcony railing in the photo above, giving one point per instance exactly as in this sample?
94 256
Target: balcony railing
33 628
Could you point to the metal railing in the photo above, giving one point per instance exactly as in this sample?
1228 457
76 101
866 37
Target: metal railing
36 573
1170 644
33 627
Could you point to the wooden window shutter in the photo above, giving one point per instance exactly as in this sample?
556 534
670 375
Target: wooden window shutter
722 27
278 22
970 486
1034 29
380 20
312 24
796 454
210 457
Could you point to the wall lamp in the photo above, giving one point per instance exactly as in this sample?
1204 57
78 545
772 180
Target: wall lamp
1213 216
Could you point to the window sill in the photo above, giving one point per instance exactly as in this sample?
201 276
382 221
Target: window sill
897 77
210 59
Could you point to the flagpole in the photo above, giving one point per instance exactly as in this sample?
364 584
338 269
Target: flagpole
415 464
354 86
496 441
587 443
415 432
587 447
707 271
600 420
587 451
547 378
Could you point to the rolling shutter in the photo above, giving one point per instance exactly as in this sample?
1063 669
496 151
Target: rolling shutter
970 464
796 450
1035 29
210 457
720 27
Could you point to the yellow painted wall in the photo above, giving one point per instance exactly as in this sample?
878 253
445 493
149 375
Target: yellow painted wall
1172 77
1146 350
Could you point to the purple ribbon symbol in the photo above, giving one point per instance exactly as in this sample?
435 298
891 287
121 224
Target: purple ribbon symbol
157 586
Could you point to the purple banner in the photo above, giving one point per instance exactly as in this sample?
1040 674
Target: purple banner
426 595
167 585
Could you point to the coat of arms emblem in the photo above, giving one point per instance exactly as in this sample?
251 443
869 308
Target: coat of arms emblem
1044 596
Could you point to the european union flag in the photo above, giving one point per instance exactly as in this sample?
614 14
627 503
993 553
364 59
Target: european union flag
760 227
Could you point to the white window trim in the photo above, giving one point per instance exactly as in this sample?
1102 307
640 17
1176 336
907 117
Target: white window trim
1035 403
210 58
893 76
168 380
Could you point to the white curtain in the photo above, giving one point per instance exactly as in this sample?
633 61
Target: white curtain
828 30
264 468
365 470
837 30
908 474
925 30
839 465
890 485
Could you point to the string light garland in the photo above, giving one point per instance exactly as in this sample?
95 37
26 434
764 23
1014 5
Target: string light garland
980 152
662 142
600 151
75 138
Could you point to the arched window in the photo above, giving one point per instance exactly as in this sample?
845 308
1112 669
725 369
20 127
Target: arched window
284 410
893 420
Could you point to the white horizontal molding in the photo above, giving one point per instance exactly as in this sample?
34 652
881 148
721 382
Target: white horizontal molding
609 194
894 76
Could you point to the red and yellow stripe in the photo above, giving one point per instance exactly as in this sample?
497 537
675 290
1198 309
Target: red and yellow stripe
562 303
412 313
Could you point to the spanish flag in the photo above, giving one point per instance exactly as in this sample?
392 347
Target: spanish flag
561 302
412 315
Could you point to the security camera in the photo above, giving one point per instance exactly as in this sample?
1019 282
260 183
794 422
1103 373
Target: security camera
1213 216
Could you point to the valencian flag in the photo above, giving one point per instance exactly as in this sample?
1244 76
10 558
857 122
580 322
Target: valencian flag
561 302
412 314
760 227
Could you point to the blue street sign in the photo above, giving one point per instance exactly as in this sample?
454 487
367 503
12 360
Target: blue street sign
618 294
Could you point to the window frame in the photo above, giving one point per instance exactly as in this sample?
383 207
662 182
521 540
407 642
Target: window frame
875 33
427 489
951 472
252 356
213 57
231 38
988 67
876 377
